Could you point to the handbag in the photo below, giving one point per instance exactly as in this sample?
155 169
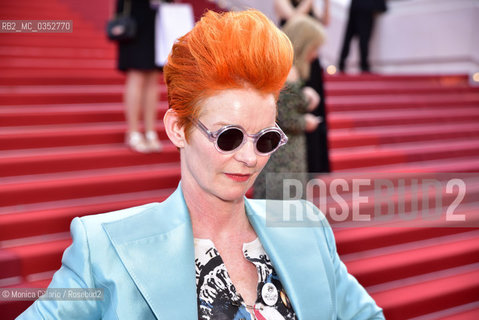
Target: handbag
122 27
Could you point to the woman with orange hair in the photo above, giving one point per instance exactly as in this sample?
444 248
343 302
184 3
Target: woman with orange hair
207 252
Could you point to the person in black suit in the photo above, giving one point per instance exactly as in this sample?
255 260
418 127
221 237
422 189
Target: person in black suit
360 23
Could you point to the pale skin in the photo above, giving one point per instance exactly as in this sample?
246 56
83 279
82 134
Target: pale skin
311 121
141 91
213 194
285 10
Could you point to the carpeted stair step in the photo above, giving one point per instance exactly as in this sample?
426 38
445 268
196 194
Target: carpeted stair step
382 118
61 95
32 63
34 5
41 256
362 88
25 95
461 164
13 52
422 297
10 267
428 204
413 259
54 10
412 78
11 309
57 76
398 86
65 35
40 161
357 237
77 73
401 101
466 312
466 315
52 136
14 116
88 183
369 192
35 219
363 157
376 136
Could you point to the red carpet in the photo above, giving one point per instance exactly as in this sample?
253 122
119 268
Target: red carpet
62 155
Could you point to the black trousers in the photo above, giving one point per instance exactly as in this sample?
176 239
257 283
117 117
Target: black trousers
360 23
317 141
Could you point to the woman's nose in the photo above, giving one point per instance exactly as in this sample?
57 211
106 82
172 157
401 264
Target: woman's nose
247 154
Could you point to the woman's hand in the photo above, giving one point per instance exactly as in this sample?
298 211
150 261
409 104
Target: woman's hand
312 97
312 122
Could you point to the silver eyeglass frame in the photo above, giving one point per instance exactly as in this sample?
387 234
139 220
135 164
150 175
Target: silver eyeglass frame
213 136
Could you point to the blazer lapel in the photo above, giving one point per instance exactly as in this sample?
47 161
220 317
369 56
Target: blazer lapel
157 249
297 258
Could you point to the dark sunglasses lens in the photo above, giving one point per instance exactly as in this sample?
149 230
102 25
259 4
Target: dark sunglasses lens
268 142
230 139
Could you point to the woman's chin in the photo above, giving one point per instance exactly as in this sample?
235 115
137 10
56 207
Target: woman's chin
234 193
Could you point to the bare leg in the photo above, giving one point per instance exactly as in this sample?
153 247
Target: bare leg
135 81
150 111
133 95
151 100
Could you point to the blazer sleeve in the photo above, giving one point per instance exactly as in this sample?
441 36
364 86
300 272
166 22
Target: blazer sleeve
75 272
352 300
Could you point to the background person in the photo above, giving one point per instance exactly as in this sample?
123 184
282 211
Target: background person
137 58
360 23
295 104
317 140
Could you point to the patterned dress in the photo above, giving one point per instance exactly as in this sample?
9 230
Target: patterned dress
138 53
290 160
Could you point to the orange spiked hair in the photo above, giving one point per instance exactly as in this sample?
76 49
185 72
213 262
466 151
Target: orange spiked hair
225 51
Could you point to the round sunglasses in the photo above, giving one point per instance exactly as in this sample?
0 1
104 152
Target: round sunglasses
231 137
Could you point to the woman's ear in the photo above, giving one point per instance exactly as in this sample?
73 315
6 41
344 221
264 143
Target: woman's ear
175 132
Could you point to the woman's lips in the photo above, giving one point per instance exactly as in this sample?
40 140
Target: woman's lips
238 177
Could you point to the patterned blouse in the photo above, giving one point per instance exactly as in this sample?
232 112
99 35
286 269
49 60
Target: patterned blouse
217 296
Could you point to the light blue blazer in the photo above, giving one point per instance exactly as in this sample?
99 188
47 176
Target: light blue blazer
143 258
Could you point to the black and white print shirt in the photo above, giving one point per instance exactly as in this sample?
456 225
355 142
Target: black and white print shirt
217 296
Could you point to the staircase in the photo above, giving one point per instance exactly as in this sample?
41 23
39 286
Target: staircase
402 128
62 155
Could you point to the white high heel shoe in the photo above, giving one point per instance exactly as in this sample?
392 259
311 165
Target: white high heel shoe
153 143
136 142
